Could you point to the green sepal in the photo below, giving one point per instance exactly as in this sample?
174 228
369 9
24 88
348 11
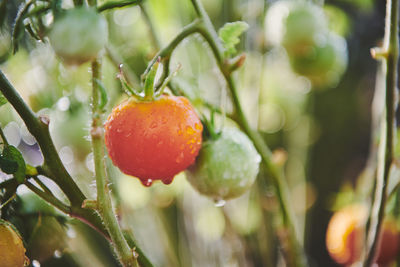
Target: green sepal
149 81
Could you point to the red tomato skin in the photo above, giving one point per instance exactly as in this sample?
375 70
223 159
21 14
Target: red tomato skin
153 140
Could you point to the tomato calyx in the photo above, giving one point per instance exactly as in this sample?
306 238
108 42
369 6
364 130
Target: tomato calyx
209 130
152 86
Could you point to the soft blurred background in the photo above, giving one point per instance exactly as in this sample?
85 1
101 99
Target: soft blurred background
320 136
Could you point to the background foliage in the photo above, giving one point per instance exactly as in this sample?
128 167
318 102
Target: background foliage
323 135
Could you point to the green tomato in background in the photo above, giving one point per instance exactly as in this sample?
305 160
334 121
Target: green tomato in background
48 236
226 166
324 64
78 35
296 25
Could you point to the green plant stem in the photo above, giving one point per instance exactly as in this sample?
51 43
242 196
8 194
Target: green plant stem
3 137
294 254
117 60
117 4
386 156
42 185
38 127
166 52
52 167
201 13
124 252
49 198
204 27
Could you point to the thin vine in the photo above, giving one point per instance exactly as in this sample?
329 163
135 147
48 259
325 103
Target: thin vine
389 53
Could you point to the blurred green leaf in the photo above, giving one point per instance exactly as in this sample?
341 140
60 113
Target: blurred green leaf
8 166
11 153
3 100
229 34
363 4
3 12
339 22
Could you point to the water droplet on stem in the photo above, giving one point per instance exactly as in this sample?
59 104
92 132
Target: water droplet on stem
219 202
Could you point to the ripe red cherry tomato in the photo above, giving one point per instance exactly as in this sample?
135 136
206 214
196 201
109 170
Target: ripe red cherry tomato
153 140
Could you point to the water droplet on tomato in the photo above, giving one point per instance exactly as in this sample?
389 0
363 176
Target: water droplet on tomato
219 202
147 182
180 158
189 130
153 125
119 130
167 181
160 143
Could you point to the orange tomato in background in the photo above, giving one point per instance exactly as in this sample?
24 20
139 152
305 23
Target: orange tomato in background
345 236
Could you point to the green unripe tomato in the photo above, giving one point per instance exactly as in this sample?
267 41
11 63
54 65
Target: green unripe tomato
47 237
324 64
78 35
296 25
226 166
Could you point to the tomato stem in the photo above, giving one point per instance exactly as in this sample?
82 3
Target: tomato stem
105 208
3 137
386 149
295 255
204 27
117 4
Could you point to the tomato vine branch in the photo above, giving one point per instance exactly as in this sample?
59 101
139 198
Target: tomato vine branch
386 156
124 252
297 257
53 167
117 4
49 198
204 27
38 127
3 137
